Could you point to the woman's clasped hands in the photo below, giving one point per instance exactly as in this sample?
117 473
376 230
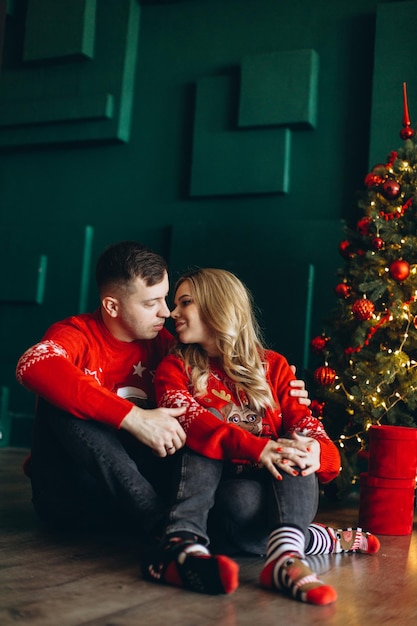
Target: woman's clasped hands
297 455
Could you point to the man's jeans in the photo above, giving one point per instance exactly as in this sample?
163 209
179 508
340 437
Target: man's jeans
88 475
238 514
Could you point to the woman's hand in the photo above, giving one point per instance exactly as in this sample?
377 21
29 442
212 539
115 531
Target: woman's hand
274 458
309 461
299 455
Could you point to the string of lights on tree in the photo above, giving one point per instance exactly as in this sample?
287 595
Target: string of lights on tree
368 350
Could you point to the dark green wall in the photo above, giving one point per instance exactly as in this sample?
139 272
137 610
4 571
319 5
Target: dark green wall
141 120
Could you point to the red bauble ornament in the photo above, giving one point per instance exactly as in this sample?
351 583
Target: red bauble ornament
325 376
377 243
399 270
343 290
318 344
316 408
363 225
363 309
391 189
345 248
406 133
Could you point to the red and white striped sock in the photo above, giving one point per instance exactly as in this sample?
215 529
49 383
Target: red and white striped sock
326 540
287 570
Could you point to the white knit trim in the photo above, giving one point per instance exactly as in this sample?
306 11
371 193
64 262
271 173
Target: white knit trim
193 549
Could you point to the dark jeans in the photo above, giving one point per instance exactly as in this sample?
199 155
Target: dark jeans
237 514
88 475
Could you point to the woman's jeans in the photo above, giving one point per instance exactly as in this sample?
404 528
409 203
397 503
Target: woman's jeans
86 475
238 513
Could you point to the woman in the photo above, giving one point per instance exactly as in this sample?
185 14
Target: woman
251 448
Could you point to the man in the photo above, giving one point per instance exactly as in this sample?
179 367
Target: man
101 453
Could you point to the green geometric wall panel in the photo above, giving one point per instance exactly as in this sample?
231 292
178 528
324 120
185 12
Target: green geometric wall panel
35 269
395 62
279 88
3 9
29 286
227 160
76 82
53 110
45 41
206 243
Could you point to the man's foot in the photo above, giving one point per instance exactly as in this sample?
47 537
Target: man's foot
327 540
184 563
354 540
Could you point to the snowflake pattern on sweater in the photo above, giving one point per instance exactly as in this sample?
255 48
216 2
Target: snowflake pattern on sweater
39 352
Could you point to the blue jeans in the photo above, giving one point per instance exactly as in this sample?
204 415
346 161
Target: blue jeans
87 475
236 514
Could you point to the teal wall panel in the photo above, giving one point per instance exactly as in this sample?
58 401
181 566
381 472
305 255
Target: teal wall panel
79 84
287 277
279 88
226 160
23 284
2 27
50 35
395 63
53 110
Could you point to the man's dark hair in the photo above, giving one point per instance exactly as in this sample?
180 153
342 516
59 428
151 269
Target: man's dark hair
124 261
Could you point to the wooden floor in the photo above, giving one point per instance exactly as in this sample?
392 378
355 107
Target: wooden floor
72 580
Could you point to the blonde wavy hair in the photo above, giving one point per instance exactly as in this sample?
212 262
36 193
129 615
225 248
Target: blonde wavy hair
226 307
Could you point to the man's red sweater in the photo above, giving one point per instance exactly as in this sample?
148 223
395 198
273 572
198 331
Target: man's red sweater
218 426
82 369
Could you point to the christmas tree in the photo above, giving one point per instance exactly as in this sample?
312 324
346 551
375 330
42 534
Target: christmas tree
367 355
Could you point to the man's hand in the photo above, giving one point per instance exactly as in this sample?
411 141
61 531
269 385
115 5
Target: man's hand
298 390
157 428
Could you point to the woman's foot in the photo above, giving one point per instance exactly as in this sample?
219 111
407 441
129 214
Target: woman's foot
290 573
